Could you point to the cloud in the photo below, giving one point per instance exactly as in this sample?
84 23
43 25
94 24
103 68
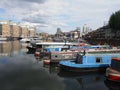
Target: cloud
34 1
67 14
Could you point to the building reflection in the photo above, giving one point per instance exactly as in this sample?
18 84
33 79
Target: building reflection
9 48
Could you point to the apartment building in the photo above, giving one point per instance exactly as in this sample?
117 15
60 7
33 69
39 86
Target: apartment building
24 31
101 33
72 35
14 30
5 29
31 32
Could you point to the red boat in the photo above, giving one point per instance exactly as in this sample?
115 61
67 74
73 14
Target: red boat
46 61
113 72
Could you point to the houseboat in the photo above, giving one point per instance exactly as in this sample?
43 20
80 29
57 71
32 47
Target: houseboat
90 60
62 55
51 45
72 52
47 50
113 72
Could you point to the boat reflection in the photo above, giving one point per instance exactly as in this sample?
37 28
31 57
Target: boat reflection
85 80
112 85
53 69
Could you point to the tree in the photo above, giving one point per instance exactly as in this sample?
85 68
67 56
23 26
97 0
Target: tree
114 21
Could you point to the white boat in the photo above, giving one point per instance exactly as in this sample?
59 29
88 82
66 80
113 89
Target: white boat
25 40
35 45
55 43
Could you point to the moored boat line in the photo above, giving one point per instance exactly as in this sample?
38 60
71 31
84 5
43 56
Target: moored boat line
91 57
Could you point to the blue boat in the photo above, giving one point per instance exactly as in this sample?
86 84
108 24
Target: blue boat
90 60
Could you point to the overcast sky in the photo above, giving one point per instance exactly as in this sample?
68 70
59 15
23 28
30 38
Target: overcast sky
48 15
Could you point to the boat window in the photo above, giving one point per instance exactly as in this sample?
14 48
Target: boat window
98 59
56 56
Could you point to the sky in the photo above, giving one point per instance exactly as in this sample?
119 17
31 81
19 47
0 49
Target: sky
48 15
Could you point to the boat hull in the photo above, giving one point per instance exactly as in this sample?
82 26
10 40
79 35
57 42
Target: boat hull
112 75
82 67
31 49
46 62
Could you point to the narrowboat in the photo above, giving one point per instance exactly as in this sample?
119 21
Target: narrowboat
72 52
113 72
62 55
48 51
90 60
51 45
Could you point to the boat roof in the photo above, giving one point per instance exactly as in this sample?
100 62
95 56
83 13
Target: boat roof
90 47
99 46
56 43
118 59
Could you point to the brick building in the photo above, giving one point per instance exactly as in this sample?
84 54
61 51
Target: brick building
24 31
5 29
31 32
14 30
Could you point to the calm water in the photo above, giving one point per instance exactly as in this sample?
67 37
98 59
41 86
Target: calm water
21 71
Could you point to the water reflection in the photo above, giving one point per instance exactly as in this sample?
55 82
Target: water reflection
79 81
112 85
8 48
23 73
86 81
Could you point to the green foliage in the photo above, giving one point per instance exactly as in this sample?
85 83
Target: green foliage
114 21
